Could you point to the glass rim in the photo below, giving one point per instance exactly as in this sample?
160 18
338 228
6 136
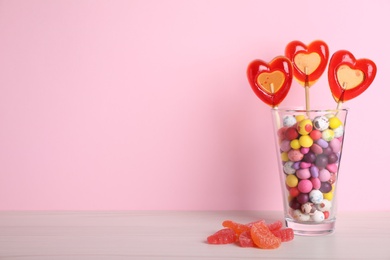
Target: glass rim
302 109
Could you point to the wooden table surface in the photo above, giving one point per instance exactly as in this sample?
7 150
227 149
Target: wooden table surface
60 235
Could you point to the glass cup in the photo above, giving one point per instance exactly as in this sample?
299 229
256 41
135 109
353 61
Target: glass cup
309 147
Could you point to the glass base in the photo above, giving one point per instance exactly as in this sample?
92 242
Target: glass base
311 228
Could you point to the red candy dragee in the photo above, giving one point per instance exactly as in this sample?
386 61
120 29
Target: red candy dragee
271 81
349 77
309 61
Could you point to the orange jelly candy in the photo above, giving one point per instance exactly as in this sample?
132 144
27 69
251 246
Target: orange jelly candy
263 237
237 227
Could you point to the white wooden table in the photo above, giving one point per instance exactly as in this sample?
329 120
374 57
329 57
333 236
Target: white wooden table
41 235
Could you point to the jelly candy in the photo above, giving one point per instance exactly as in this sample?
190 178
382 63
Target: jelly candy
275 225
309 62
263 237
271 82
237 227
349 77
254 234
245 239
285 234
251 223
223 236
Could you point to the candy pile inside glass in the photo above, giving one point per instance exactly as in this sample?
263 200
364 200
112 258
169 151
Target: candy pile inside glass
310 151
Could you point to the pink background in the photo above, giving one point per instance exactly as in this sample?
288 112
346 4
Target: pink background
138 105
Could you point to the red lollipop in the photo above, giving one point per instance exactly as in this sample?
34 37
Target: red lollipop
309 61
349 77
271 82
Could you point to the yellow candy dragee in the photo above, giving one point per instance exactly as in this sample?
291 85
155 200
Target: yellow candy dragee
299 118
328 196
295 144
334 122
305 141
305 127
291 180
327 135
284 156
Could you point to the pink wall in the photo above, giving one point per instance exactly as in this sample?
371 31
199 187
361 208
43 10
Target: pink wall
145 104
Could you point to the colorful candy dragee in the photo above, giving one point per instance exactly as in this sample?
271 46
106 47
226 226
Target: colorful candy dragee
310 151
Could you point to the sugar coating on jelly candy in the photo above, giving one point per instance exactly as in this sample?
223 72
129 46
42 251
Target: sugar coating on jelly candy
223 236
263 237
285 234
245 239
254 234
237 227
275 225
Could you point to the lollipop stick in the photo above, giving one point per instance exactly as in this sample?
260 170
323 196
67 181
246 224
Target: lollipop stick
307 97
277 117
340 102
339 105
272 88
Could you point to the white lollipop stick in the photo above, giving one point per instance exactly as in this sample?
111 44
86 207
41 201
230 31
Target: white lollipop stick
307 95
344 86
272 88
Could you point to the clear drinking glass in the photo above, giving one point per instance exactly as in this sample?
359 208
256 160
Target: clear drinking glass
309 148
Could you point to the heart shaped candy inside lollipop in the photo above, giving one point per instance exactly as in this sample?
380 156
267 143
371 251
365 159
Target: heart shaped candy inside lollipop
271 82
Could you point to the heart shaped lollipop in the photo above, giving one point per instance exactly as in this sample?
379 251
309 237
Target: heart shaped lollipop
309 61
271 81
349 77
